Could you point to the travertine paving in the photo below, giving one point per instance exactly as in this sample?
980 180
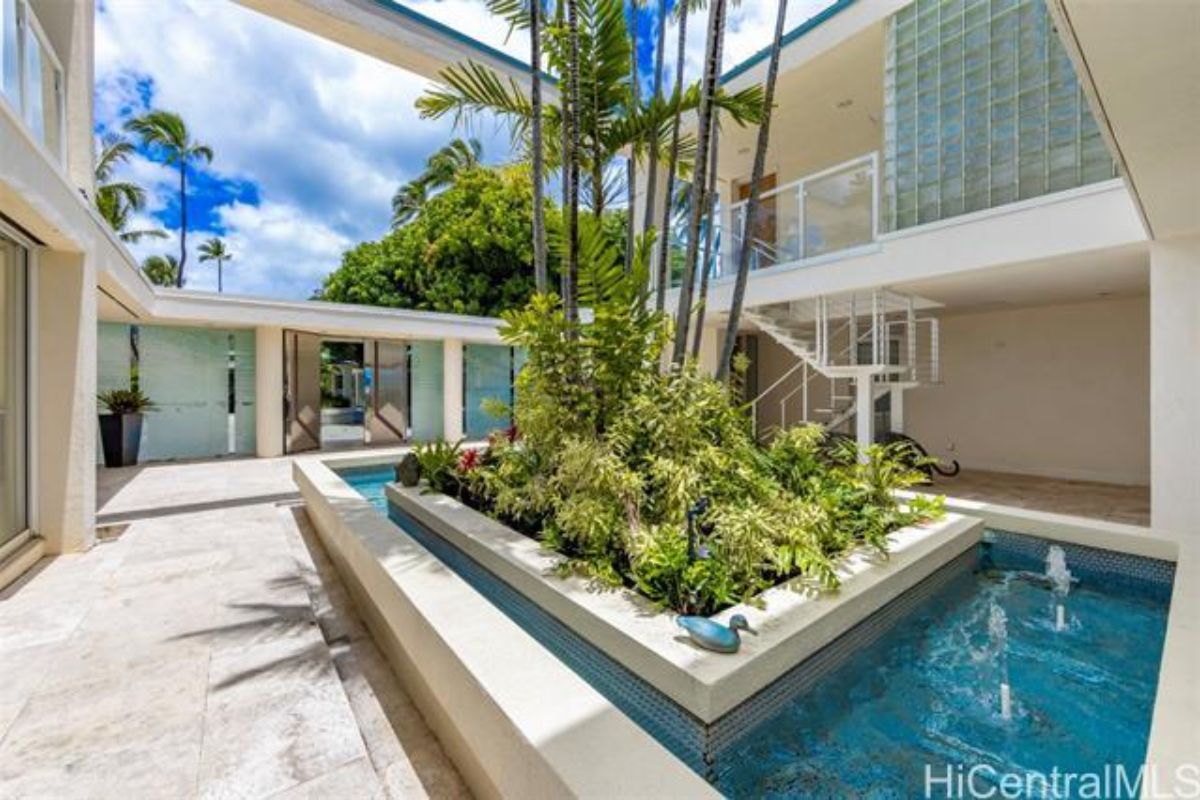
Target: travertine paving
1126 504
211 653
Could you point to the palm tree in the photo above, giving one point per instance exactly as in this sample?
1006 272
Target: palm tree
608 121
655 102
162 270
214 250
571 159
753 203
710 238
712 70
117 201
664 243
540 274
441 169
167 132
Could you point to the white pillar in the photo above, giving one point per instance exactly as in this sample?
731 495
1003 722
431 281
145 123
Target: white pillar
897 413
864 418
1175 385
268 391
64 368
710 346
452 390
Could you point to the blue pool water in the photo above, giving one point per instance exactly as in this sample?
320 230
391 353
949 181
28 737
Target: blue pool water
924 693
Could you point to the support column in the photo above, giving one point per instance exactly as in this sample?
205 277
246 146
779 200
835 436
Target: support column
65 369
897 412
864 418
268 391
710 350
452 390
1175 385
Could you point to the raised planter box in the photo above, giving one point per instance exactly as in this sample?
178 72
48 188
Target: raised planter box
796 619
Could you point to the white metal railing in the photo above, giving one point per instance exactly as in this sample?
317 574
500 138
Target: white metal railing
31 76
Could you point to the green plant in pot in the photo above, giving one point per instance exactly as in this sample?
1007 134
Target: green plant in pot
121 427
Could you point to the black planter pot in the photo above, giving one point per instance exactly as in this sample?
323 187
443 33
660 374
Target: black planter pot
121 435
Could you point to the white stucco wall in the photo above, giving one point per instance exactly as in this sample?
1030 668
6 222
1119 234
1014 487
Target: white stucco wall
1061 391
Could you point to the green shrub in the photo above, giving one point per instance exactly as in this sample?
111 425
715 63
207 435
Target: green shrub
613 451
125 401
439 465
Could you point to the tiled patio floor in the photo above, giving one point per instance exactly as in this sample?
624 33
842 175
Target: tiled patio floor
208 653
1106 501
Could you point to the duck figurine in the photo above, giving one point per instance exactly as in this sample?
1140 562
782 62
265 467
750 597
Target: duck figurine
712 635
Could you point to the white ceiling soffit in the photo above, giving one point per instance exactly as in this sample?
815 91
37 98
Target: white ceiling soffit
391 32
1139 62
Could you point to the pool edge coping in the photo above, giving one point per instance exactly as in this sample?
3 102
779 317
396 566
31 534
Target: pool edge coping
469 668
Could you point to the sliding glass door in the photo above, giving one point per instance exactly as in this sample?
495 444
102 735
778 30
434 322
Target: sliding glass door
13 447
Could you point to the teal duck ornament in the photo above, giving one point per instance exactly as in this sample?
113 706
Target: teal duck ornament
712 635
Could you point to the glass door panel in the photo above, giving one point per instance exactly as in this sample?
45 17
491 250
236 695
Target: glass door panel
185 372
488 376
13 465
387 412
302 363
425 403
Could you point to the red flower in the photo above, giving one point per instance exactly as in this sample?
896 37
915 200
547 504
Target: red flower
468 461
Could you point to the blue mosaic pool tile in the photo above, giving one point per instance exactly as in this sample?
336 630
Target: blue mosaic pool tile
1147 577
698 744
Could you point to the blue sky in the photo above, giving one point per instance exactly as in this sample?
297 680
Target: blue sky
310 139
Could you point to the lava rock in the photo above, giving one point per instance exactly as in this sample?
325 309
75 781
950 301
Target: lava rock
408 471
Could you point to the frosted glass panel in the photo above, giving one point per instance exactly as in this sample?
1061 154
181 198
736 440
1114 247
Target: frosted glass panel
243 344
982 107
113 357
185 372
837 210
488 374
425 401
10 73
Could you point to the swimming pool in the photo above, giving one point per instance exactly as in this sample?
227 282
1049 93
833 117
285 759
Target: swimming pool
925 694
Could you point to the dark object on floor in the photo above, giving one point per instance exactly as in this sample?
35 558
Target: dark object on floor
408 471
919 453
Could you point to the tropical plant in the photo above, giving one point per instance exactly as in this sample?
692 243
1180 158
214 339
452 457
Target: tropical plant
441 169
125 401
215 250
162 270
596 118
117 201
439 462
753 205
166 133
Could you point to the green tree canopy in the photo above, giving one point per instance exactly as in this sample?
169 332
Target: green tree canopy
468 252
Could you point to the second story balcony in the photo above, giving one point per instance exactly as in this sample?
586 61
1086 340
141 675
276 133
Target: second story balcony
31 76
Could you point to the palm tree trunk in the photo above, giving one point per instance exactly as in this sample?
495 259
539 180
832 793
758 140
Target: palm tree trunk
182 222
571 162
664 233
708 90
753 203
540 276
631 165
710 205
652 159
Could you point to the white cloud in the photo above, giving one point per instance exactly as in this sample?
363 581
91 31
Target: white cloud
324 134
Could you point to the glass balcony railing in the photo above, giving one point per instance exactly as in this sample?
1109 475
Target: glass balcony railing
816 216
31 76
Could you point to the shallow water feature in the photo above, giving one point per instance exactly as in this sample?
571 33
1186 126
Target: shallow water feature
924 700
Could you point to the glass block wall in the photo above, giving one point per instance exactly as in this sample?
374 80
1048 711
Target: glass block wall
981 108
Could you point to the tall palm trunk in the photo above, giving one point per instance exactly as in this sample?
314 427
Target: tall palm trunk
182 222
754 202
710 206
708 90
540 276
220 275
631 165
571 106
652 159
664 233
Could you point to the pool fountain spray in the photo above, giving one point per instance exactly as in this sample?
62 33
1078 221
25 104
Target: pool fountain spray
998 634
1060 580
